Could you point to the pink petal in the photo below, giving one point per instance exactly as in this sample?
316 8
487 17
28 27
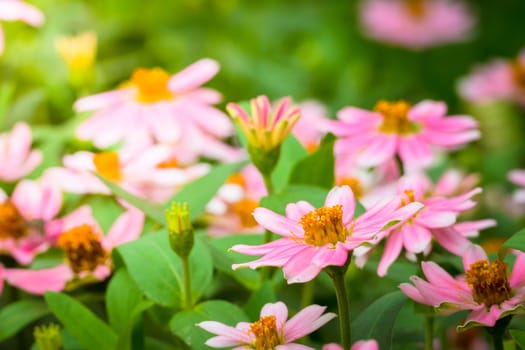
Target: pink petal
381 149
194 75
127 227
365 345
295 211
452 240
472 254
298 268
305 322
416 238
39 281
18 10
222 341
277 223
435 219
345 197
517 278
436 275
293 346
393 246
328 255
413 293
487 318
279 310
99 101
224 330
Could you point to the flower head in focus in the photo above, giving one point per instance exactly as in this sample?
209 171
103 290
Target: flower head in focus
16 10
416 24
398 128
17 159
486 289
316 238
272 330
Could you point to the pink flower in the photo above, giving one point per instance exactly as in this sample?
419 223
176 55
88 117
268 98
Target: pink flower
486 289
517 176
416 24
499 79
397 128
437 220
272 331
168 109
230 211
316 238
27 219
151 172
15 10
16 157
360 345
312 125
86 249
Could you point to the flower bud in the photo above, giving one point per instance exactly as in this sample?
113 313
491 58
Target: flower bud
48 337
180 229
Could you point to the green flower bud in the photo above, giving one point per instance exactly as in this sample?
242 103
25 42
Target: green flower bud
48 337
180 229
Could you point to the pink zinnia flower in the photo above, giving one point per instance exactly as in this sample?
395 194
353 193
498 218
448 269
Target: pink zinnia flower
15 10
416 24
316 238
151 173
499 79
158 106
16 157
397 128
360 345
437 220
486 289
517 176
312 126
272 331
87 251
27 219
230 210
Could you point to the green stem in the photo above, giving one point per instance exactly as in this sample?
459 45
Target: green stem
429 331
497 341
307 295
498 330
337 274
268 183
187 282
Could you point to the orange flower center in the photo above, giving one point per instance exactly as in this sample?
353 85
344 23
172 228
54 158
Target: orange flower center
83 248
244 209
266 334
324 225
416 8
354 183
489 282
12 224
169 163
518 72
395 117
237 179
409 197
152 85
108 165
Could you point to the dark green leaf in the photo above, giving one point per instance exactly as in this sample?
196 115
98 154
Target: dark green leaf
277 202
377 321
318 168
291 152
183 324
122 297
17 315
88 330
518 336
258 299
516 241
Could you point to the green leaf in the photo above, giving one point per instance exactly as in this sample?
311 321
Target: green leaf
122 297
224 259
183 324
277 202
199 192
518 336
516 241
17 315
377 321
153 211
291 152
318 168
88 330
157 270
258 299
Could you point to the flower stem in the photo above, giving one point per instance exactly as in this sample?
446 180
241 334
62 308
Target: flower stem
187 282
429 331
337 274
269 188
497 332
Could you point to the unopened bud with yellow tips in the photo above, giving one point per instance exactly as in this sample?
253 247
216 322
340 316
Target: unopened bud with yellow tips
79 53
48 337
180 229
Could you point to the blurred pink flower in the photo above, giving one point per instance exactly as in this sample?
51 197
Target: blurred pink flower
16 10
437 220
312 125
16 157
517 177
272 331
499 79
27 219
397 128
316 238
416 24
154 105
359 345
486 289
87 251
230 210
149 172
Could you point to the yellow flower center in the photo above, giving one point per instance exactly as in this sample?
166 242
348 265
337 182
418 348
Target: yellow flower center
152 85
266 334
108 165
409 197
489 282
12 224
395 117
83 248
416 8
324 225
244 209
354 183
518 73
169 163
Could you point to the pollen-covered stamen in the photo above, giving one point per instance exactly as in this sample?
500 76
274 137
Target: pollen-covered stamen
324 225
416 8
83 248
489 282
355 184
518 73
266 334
108 165
152 85
244 209
395 117
12 224
409 197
